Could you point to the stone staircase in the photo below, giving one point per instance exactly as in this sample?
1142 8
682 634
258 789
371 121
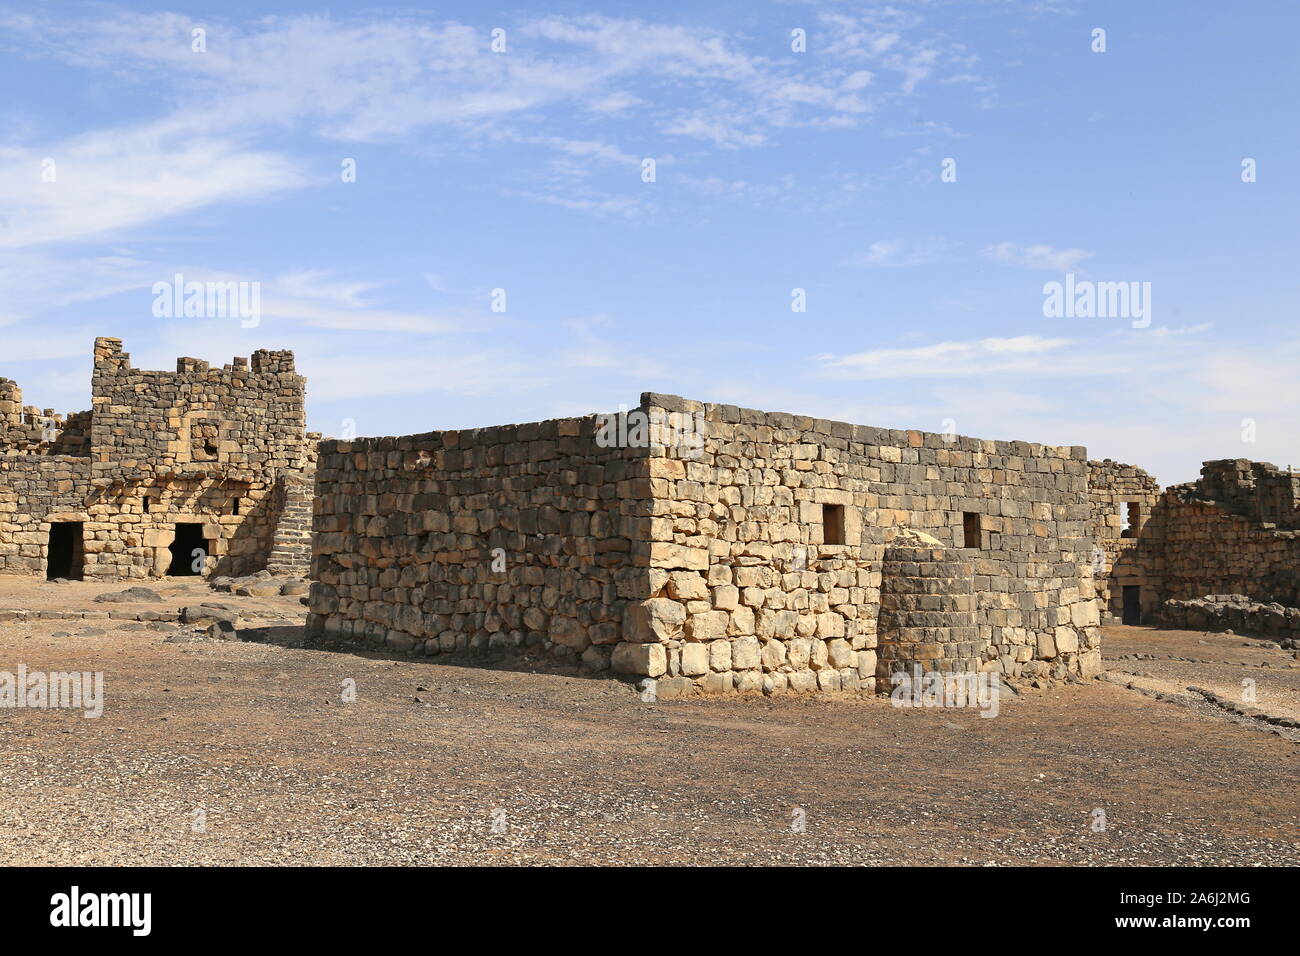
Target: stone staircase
291 545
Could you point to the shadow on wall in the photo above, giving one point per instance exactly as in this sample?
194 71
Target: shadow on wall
485 658
249 547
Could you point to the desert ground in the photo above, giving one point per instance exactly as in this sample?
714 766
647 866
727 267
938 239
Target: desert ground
228 752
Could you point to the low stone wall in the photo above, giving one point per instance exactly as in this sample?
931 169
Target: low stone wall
1235 612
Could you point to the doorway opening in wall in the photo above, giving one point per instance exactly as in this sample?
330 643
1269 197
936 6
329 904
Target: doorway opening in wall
832 524
1132 604
1130 516
189 539
66 552
970 529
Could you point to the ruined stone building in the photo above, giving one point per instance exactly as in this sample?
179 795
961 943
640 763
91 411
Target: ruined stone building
712 547
201 470
1234 531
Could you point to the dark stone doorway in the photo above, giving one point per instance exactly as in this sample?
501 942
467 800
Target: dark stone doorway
189 538
66 552
1132 604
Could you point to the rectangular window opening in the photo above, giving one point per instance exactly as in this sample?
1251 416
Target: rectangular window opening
970 527
1130 517
145 503
833 524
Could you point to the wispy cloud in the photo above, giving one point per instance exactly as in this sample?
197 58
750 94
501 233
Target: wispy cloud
891 253
984 356
113 180
1036 257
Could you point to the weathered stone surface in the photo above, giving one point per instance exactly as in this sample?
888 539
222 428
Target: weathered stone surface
647 659
695 660
658 619
130 596
743 551
208 613
165 464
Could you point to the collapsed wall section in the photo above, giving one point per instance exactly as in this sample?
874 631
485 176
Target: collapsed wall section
519 538
1231 532
1205 549
1257 490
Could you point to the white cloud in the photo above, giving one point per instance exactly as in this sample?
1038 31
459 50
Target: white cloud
948 359
1162 399
316 284
890 253
402 74
115 179
1036 257
32 282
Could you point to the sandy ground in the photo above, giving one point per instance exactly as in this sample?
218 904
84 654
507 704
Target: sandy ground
218 752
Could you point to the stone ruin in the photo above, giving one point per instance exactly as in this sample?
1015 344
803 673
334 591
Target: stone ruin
711 547
1220 552
198 471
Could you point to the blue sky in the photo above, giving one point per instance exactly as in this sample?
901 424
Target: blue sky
774 170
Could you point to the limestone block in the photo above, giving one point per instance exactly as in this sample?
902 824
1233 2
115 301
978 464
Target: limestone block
649 660
652 621
707 626
695 659
746 653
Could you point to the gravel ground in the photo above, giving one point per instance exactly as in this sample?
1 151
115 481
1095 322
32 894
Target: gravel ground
437 762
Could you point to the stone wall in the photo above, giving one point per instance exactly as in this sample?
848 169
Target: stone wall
516 538
26 429
34 491
701 557
1254 489
1118 492
1208 537
198 446
738 541
243 422
1203 549
1235 612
